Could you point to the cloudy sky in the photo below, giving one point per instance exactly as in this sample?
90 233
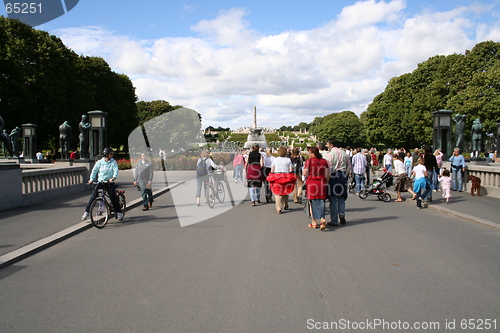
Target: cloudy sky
294 60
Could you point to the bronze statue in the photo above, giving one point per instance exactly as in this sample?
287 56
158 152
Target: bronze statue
4 137
477 136
459 119
64 139
84 137
14 140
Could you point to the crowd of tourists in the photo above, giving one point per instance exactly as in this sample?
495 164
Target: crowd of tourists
322 175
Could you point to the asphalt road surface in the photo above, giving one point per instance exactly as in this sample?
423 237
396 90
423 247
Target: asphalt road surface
392 268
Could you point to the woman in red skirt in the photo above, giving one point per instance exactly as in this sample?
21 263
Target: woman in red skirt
317 175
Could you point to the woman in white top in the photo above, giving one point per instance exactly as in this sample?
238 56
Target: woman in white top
281 164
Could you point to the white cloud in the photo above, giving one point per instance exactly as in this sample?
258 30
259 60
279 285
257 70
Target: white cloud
292 76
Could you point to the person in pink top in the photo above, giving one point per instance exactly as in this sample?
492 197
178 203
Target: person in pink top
445 181
238 164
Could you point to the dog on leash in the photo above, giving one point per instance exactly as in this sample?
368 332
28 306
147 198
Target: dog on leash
476 185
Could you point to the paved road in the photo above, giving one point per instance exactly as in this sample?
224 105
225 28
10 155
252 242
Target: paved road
250 270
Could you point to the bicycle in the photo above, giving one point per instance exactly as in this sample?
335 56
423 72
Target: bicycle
214 189
101 209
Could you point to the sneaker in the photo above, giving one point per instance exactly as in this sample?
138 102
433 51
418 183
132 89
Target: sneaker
85 216
342 219
335 224
119 216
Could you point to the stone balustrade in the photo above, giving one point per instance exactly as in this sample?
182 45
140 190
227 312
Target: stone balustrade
26 185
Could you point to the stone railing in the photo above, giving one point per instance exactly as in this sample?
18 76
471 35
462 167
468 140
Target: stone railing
48 179
25 186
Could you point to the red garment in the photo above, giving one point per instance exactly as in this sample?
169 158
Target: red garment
282 183
254 171
316 184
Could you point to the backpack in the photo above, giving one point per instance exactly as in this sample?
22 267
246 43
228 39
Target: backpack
201 168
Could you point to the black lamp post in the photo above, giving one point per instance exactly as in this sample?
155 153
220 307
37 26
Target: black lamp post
98 133
29 141
442 132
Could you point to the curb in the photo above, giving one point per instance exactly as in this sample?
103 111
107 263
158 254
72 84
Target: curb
30 249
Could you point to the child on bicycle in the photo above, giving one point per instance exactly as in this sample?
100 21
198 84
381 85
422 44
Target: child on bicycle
106 169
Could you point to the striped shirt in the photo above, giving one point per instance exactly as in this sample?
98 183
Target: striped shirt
359 163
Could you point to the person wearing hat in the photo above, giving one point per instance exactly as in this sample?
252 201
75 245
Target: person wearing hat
106 170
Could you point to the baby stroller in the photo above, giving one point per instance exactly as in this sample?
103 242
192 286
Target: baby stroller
379 188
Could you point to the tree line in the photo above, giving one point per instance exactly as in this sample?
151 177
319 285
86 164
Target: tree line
45 83
401 116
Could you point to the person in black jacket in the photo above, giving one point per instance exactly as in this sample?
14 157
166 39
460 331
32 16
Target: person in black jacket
430 164
143 178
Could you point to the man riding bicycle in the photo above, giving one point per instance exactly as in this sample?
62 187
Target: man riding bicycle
106 170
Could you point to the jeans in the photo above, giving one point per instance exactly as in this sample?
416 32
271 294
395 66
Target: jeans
456 178
238 172
254 193
389 167
408 170
428 187
146 193
360 179
318 208
199 182
111 189
337 207
435 181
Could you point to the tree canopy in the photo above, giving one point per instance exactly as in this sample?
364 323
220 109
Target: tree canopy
466 84
45 83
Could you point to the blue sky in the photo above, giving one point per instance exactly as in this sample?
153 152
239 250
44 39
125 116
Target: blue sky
294 60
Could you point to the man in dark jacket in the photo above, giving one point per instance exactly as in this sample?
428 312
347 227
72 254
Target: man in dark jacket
431 166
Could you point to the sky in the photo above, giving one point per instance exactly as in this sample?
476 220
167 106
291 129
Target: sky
293 60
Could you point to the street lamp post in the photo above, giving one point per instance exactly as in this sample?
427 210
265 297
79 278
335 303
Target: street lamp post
442 132
98 133
29 141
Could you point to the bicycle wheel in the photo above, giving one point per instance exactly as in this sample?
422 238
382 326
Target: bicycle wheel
99 213
210 196
221 193
363 194
123 203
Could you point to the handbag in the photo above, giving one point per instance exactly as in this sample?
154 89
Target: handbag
307 209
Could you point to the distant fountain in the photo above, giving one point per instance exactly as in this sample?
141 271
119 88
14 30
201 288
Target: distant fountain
255 136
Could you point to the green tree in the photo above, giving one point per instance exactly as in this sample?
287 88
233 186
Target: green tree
344 126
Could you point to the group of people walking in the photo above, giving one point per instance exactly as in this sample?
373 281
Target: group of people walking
324 174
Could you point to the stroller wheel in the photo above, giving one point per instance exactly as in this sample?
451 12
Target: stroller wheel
363 194
386 197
